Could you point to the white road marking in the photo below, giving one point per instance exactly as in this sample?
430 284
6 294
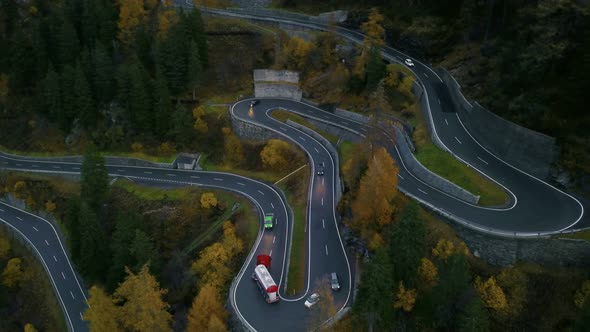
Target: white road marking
56 166
63 275
270 253
326 117
422 191
316 149
343 122
283 129
447 122
35 166
120 170
170 174
425 75
47 243
73 298
81 317
401 177
261 193
195 177
273 239
35 228
483 161
19 218
19 164
439 101
458 140
326 246
241 184
322 181
273 206
323 223
322 201
217 179
147 172
55 259
301 138
77 168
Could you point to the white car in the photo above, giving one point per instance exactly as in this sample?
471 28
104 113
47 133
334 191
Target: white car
312 299
409 62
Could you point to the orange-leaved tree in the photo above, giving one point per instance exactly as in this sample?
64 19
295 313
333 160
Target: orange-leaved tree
207 309
102 313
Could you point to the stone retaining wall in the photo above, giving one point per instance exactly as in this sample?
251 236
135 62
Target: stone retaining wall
269 75
124 161
523 148
277 90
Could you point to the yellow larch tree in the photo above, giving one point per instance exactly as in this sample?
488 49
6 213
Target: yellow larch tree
405 298
131 14
102 313
444 249
143 308
582 294
373 205
13 273
374 37
4 247
428 273
274 155
208 200
206 305
30 328
491 294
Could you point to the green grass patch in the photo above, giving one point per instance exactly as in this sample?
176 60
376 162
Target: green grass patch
455 171
345 152
152 193
297 198
581 235
283 116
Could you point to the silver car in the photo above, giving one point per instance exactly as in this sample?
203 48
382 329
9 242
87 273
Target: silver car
312 299
409 62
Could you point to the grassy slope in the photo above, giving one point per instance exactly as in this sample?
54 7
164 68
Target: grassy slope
455 171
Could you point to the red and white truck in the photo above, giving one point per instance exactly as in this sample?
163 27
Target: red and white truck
264 280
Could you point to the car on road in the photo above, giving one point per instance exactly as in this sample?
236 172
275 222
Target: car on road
334 281
269 220
254 102
312 299
409 62
321 168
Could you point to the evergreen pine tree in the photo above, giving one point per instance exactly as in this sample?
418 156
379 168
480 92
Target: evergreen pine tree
182 127
195 70
49 95
84 103
94 254
163 106
94 183
139 99
72 220
103 74
69 45
375 69
69 101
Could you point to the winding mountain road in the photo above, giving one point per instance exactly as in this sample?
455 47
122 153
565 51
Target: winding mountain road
537 207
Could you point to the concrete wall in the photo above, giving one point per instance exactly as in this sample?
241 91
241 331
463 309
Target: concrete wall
352 116
277 90
523 148
268 75
507 251
421 172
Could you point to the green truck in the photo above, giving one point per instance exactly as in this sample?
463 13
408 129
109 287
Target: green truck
269 220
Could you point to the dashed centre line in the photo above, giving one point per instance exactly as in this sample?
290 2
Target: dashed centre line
195 177
72 294
147 172
47 243
447 122
63 275
261 193
217 179
301 138
401 177
273 206
35 228
241 184
323 223
316 149
274 239
483 161
326 246
422 191
19 218
458 140
55 258
170 174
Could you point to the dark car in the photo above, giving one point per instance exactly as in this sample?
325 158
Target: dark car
254 102
334 281
321 167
